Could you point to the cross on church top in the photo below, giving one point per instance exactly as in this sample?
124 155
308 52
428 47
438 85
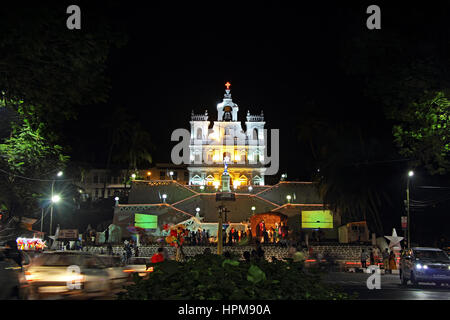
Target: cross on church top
228 85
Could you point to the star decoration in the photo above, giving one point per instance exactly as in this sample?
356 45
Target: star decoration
394 240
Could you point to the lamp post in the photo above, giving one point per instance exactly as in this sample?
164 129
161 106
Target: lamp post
53 198
410 175
164 196
253 210
197 210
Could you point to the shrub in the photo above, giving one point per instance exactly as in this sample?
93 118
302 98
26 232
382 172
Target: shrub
212 277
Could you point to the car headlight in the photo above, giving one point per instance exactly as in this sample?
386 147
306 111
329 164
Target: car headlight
418 266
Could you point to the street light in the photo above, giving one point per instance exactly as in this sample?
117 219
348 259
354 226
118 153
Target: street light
117 201
164 196
288 197
197 210
410 175
133 176
250 188
56 198
60 173
253 210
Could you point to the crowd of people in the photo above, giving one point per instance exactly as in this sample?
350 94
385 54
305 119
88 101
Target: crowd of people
386 258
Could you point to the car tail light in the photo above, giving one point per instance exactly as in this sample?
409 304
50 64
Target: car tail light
30 277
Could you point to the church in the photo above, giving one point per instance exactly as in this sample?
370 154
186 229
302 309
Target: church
225 158
227 141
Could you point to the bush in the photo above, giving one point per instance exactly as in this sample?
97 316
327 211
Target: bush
212 277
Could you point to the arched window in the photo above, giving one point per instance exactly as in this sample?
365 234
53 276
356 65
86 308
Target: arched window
255 134
199 134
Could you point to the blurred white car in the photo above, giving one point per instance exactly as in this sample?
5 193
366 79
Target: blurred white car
117 274
139 265
65 274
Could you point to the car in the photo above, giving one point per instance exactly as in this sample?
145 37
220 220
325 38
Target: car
423 264
12 278
140 266
116 270
66 274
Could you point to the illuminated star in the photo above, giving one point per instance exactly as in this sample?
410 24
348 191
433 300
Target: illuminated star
394 240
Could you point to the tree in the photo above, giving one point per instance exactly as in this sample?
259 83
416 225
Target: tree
423 132
27 161
52 69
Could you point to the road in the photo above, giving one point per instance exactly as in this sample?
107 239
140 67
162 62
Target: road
391 289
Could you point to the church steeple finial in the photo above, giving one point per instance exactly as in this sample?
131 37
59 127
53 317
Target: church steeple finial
227 90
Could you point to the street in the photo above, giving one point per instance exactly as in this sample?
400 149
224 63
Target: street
391 289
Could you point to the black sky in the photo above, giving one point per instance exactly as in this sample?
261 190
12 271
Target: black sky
278 58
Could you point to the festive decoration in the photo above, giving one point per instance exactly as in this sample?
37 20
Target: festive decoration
394 240
30 244
176 235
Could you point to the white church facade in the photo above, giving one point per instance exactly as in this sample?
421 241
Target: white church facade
226 141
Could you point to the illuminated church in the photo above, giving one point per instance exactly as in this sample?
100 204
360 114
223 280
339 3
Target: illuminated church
227 141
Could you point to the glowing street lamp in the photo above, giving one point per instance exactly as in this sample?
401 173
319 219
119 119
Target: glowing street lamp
250 188
59 174
117 200
288 197
197 210
164 196
56 198
253 210
133 176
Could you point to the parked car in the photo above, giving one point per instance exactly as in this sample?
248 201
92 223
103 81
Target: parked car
423 264
67 274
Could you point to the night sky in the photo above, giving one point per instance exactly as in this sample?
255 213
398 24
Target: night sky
278 58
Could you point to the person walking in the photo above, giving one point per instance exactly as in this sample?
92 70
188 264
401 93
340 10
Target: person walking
386 259
109 249
363 258
372 258
392 262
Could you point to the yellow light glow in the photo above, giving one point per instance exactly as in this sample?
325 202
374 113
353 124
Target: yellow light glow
149 173
216 184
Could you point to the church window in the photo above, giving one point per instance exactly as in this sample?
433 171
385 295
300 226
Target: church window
199 133
255 134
